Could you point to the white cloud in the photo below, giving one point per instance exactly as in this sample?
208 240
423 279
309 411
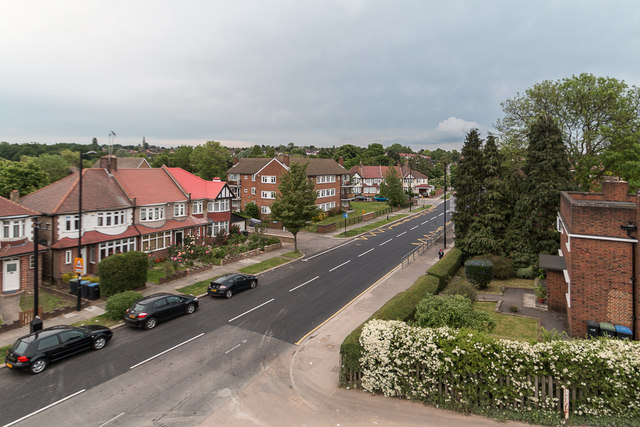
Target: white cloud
454 128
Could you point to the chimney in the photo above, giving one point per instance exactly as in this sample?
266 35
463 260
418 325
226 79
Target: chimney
286 160
235 160
110 163
615 190
341 161
216 179
14 195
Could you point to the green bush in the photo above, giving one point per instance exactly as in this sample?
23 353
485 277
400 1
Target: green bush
117 304
454 311
461 288
479 272
502 266
122 272
446 267
525 273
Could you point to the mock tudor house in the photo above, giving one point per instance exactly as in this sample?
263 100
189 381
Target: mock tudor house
256 180
366 180
123 210
17 247
593 278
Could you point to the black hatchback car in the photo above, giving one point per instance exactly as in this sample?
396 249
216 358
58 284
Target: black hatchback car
155 308
226 286
35 351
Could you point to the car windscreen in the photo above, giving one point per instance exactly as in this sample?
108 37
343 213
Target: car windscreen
19 347
139 307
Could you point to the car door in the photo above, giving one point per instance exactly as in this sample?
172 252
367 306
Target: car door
50 347
74 341
175 306
242 281
161 309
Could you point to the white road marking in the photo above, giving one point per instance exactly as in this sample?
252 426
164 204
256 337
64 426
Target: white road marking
299 286
166 351
328 250
425 222
45 408
413 228
112 419
404 232
441 214
231 349
364 253
338 266
384 243
254 308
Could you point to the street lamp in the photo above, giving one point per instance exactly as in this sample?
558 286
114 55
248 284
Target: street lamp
445 204
36 323
79 299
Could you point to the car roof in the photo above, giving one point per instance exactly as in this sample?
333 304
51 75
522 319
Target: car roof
43 333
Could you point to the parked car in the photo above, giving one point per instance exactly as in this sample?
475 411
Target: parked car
230 284
34 352
155 308
361 198
380 199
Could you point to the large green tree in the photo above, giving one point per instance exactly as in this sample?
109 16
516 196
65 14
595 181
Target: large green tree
469 179
547 172
24 177
594 115
54 165
210 160
295 204
391 188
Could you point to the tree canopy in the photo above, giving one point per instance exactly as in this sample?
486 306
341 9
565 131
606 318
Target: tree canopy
391 188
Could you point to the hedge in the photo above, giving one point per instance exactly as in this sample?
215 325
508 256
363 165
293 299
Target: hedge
117 304
122 272
447 267
479 272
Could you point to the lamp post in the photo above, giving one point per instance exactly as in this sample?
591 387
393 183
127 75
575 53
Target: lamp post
36 323
445 204
79 294
410 185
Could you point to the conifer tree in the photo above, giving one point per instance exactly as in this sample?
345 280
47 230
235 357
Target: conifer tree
391 188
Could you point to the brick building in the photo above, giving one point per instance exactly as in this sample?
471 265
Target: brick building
593 277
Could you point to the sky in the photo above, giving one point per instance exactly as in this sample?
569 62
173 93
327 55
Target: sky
323 72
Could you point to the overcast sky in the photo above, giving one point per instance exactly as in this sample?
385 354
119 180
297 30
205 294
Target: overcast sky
322 72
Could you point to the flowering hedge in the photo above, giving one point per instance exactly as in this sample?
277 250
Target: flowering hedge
477 371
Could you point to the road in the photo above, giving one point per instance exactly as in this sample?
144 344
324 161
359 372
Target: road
177 373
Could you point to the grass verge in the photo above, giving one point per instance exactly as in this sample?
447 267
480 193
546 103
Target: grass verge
3 352
510 327
98 320
359 230
48 302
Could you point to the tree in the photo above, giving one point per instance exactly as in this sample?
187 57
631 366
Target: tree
256 151
210 160
54 165
375 155
181 158
547 172
594 115
391 188
349 153
295 204
252 210
394 150
469 178
24 177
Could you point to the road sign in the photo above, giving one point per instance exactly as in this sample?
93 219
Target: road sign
345 215
78 264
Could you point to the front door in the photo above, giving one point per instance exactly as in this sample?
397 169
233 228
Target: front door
178 238
11 276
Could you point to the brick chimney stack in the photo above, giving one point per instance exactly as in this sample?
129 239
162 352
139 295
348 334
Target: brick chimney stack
286 160
615 190
110 163
14 195
235 160
341 161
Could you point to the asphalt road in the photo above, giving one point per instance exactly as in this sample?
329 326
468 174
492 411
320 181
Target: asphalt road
177 373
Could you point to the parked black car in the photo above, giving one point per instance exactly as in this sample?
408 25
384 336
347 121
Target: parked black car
230 284
155 308
361 198
35 351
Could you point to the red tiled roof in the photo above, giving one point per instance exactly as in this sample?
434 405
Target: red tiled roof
149 186
20 247
171 224
91 237
198 187
11 208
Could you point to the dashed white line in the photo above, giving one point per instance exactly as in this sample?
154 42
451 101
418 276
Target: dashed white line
231 349
112 419
384 243
364 253
423 223
338 266
249 311
299 286
441 214
45 408
413 228
404 232
166 351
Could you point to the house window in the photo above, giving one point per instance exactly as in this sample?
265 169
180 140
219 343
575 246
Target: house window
209 206
233 177
197 207
32 262
13 229
327 206
246 177
268 179
107 219
68 256
253 191
266 210
327 192
152 214
92 254
156 241
179 209
268 194
117 247
219 228
71 223
325 179
221 205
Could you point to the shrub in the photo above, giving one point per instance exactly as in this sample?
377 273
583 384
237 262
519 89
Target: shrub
446 267
68 276
513 308
479 272
454 311
122 272
525 273
502 266
252 210
461 288
117 304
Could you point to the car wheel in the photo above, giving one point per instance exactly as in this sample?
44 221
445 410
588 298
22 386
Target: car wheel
150 323
228 294
191 308
99 343
253 284
38 366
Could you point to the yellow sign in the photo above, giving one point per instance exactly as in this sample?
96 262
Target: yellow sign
78 264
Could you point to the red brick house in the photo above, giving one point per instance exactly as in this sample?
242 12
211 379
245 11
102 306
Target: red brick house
256 180
17 247
593 277
366 180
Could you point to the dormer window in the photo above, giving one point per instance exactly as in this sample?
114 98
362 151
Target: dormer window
179 209
151 214
197 207
109 219
71 222
13 229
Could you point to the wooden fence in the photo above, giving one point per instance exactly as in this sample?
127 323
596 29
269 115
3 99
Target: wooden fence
26 316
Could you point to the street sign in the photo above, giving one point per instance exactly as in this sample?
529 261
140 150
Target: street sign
345 215
78 264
